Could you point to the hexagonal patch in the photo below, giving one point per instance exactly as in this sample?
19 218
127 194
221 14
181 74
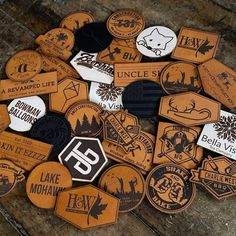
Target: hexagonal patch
189 109
84 157
87 207
120 128
217 175
218 81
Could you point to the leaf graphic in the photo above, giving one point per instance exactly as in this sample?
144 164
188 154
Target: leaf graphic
97 209
205 47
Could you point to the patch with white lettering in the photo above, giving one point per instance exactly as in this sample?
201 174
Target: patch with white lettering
220 136
84 157
217 175
24 112
106 95
45 182
90 69
169 189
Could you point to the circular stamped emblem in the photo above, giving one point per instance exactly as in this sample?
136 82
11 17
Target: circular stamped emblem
93 37
169 189
45 182
125 24
180 77
10 175
84 118
156 41
142 97
53 129
24 112
24 65
76 20
126 183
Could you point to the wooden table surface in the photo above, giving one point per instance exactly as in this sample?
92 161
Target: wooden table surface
22 21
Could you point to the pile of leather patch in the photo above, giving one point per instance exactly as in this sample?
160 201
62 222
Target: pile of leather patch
81 143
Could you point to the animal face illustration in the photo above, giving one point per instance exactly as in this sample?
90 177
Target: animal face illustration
155 41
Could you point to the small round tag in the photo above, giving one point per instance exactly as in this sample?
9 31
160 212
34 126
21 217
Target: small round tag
24 112
156 41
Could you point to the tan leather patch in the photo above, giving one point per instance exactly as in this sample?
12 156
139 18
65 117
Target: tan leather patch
125 24
84 118
189 109
180 77
23 65
120 128
196 45
76 20
92 206
141 157
51 63
126 183
57 42
41 84
4 117
69 91
45 182
178 144
120 51
10 174
217 175
219 81
125 74
169 189
25 152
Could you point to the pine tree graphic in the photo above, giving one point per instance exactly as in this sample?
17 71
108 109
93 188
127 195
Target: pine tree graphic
86 127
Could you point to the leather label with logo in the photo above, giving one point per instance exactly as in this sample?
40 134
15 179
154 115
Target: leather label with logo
45 182
120 128
177 144
10 174
217 175
69 91
141 156
125 24
126 183
120 51
4 117
125 74
84 118
76 20
169 189
25 152
57 42
84 157
195 45
90 69
41 84
219 81
220 136
92 206
23 65
51 63
189 109
180 77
